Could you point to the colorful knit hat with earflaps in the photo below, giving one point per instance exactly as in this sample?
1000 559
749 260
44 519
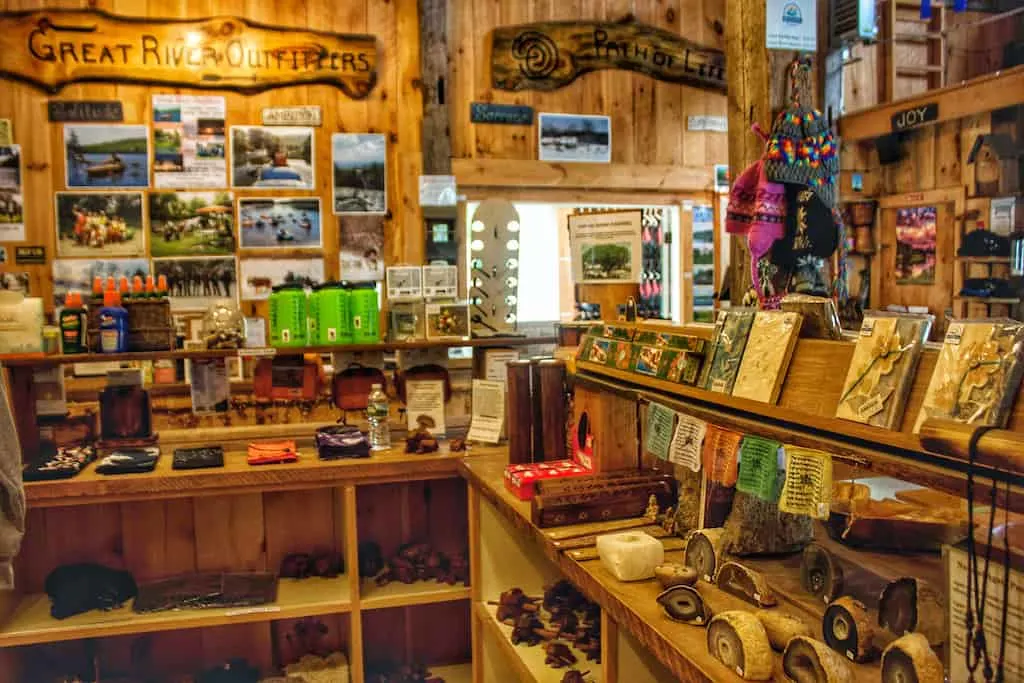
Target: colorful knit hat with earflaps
801 147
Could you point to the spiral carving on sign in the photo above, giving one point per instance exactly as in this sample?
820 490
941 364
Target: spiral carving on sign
537 54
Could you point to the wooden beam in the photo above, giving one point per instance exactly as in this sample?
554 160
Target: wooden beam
405 241
437 141
521 173
987 93
747 73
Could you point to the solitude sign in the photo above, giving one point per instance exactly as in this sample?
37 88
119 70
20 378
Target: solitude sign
548 56
53 48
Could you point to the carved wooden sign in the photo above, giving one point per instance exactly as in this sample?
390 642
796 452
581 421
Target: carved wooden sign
52 48
548 56
915 116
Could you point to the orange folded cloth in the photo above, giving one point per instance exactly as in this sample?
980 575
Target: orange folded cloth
269 452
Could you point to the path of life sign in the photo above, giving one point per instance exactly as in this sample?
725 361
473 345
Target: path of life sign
54 48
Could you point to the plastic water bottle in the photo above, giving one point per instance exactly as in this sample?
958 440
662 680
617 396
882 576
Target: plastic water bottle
377 413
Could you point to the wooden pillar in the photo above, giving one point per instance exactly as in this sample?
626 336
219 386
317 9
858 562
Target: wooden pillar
405 239
437 139
748 75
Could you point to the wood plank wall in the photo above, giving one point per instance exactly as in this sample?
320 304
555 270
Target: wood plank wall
648 117
394 107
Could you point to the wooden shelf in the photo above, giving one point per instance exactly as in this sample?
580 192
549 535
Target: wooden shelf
632 606
528 662
237 476
453 673
30 622
61 359
983 259
1010 301
987 93
396 594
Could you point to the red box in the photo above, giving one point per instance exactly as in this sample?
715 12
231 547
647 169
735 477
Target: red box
520 479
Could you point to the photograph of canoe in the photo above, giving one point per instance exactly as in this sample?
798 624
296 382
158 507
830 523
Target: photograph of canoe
191 224
107 156
94 224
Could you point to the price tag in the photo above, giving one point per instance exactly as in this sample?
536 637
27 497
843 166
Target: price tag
264 352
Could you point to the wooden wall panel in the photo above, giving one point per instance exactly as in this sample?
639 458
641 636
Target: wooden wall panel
393 108
648 116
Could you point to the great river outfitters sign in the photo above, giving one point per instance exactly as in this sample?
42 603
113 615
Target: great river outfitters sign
548 56
53 48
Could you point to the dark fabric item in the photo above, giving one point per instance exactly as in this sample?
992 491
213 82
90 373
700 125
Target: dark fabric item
65 463
984 243
129 461
810 224
342 441
198 458
197 591
79 588
987 287
371 559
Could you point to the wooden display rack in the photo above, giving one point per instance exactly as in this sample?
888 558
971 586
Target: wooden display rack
242 518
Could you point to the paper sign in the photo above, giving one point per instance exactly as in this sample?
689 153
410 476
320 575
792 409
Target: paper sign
497 360
606 247
759 467
687 442
792 25
210 387
424 402
808 486
188 141
488 411
438 190
661 422
255 333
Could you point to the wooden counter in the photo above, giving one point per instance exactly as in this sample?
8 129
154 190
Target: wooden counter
681 648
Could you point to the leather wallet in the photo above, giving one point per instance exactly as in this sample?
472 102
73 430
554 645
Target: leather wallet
198 458
65 463
129 461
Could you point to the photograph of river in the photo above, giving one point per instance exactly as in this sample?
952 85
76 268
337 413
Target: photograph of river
271 222
106 156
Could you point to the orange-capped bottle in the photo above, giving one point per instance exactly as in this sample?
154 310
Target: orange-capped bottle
137 287
161 285
150 288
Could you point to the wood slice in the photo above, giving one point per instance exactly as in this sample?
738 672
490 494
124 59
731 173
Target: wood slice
848 629
826 575
551 373
910 659
704 552
909 605
745 583
781 628
520 412
807 660
685 604
739 641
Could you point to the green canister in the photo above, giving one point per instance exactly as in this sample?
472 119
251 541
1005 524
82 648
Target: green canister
330 317
289 309
365 312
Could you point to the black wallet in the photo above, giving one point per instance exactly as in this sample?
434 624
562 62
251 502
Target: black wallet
65 463
129 461
198 458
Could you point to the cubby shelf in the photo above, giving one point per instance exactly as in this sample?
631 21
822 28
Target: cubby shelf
396 594
528 662
31 623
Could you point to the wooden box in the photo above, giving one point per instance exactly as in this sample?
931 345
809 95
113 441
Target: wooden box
605 434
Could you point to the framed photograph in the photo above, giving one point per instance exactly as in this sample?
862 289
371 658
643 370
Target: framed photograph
10 168
191 224
268 222
100 224
260 275
273 157
12 216
575 137
195 283
359 165
106 156
77 274
361 255
916 235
